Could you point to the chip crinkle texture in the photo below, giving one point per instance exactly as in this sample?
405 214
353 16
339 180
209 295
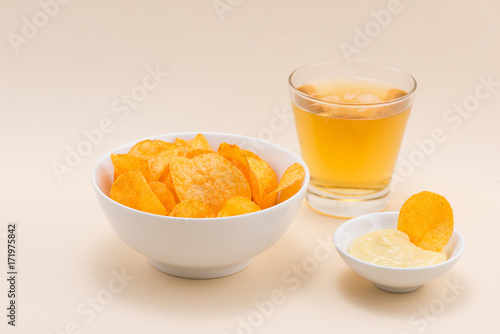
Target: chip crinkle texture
131 189
192 208
237 206
427 218
186 178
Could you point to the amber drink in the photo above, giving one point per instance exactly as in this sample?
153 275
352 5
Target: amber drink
350 120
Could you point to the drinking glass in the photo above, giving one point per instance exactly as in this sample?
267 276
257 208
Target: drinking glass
350 119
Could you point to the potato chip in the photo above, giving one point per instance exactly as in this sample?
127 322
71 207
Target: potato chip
170 186
186 147
148 202
270 200
258 172
131 189
427 218
157 152
250 154
265 176
200 142
165 196
181 146
124 163
235 155
238 206
289 185
222 179
188 182
192 208
197 151
190 172
123 190
159 165
150 148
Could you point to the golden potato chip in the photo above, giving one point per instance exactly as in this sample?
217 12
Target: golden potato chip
164 194
427 218
124 163
188 182
170 186
289 185
157 152
181 146
123 190
235 155
190 171
200 142
150 148
131 189
159 165
192 208
265 176
197 151
222 179
185 147
269 200
291 181
237 206
148 202
250 154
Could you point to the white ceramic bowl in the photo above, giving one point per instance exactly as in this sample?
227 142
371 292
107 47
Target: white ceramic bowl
387 278
203 247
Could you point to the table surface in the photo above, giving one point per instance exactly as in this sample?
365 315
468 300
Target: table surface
115 72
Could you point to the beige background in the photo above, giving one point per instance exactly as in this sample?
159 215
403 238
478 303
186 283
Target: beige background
225 69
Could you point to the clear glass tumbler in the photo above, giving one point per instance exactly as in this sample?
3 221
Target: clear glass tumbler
350 119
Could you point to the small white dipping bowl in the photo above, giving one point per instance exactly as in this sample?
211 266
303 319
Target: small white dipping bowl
398 280
203 247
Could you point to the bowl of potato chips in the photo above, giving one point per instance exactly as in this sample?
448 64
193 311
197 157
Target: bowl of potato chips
425 225
200 205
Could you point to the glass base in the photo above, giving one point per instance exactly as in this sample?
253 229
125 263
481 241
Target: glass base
346 205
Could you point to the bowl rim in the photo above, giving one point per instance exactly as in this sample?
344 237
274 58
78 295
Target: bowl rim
268 144
448 261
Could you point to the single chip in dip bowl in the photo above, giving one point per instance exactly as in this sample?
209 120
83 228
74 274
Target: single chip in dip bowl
388 272
200 205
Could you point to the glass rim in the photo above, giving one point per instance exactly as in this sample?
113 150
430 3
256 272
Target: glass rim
353 105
